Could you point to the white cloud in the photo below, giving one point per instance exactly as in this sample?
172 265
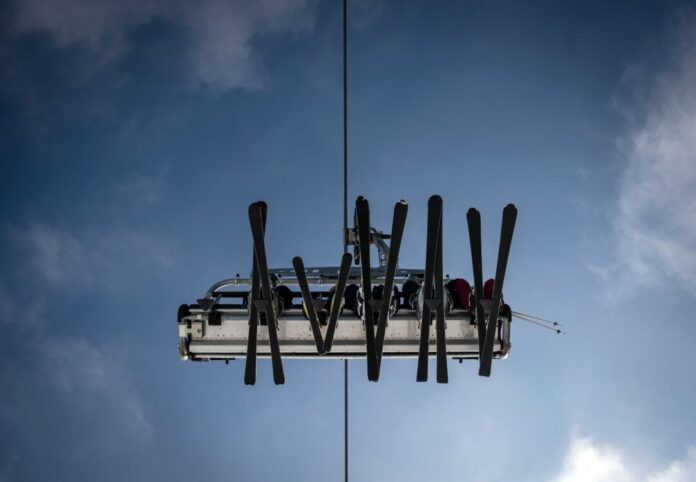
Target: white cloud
655 221
19 317
76 368
54 254
222 55
679 471
587 461
221 33
59 257
362 13
137 189
56 384
98 25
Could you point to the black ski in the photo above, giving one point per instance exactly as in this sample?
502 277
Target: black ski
473 219
506 231
434 218
250 364
337 301
308 302
362 211
440 320
266 299
323 344
398 223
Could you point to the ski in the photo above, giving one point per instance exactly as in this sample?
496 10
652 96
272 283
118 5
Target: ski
323 344
441 340
362 210
434 218
250 364
506 231
308 302
398 223
337 301
473 219
265 301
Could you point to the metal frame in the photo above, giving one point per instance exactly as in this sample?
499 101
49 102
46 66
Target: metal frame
228 340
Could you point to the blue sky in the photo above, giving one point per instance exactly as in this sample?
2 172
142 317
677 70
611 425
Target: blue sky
134 135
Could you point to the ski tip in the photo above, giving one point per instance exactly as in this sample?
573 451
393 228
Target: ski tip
258 206
347 258
297 261
511 207
435 198
484 370
472 212
401 208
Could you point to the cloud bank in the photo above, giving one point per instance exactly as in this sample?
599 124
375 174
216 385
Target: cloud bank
58 386
58 389
56 256
655 220
221 34
587 461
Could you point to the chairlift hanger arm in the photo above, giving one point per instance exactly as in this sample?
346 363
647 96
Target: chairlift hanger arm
377 238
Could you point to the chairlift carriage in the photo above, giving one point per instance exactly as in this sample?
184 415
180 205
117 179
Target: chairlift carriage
357 311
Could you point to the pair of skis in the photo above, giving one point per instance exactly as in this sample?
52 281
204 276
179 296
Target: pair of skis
261 300
433 301
312 306
487 331
379 307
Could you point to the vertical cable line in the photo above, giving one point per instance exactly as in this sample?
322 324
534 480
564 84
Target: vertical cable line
345 222
345 127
